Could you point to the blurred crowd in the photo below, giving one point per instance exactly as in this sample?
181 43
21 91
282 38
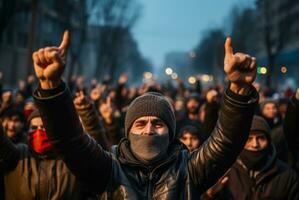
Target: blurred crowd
102 107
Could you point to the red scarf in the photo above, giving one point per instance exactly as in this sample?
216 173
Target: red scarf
38 140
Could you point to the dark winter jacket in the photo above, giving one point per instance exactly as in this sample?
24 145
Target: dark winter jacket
30 176
211 116
291 130
92 123
277 181
180 176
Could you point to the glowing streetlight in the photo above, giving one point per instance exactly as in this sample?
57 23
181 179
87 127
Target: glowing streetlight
263 70
168 71
283 69
192 80
148 75
205 78
174 75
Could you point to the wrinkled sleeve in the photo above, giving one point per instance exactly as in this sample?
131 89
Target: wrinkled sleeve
92 124
207 164
83 156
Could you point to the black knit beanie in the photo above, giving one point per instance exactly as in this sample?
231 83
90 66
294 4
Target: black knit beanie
151 104
260 125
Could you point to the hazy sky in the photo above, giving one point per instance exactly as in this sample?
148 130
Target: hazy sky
177 25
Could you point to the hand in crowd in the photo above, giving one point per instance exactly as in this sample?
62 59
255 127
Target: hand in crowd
80 100
107 110
49 63
211 96
240 69
123 78
30 79
96 93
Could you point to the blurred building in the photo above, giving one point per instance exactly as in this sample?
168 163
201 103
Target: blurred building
282 21
19 37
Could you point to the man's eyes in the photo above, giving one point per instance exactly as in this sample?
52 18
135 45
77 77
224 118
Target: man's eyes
139 124
159 125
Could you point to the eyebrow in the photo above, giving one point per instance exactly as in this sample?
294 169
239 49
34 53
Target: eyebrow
146 120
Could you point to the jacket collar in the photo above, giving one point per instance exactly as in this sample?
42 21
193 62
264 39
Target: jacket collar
125 156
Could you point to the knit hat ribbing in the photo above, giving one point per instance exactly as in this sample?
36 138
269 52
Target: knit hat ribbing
259 124
151 104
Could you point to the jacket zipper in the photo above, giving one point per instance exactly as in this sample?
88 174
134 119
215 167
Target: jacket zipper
150 187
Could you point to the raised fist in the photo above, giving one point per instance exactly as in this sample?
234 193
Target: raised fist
81 101
211 96
123 78
49 63
240 68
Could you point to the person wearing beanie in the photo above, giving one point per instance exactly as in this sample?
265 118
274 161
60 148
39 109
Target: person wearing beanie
257 173
37 170
148 163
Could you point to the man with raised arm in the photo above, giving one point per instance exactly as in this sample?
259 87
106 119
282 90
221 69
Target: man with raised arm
148 163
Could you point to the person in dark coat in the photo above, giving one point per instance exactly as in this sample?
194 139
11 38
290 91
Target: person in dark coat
291 129
148 163
13 122
34 171
258 174
269 111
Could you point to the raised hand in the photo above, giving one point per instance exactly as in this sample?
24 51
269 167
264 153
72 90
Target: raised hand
240 69
106 110
123 78
211 96
49 63
96 93
81 101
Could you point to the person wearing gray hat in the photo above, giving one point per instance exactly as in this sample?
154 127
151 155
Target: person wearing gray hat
148 163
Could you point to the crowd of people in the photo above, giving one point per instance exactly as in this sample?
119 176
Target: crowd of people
102 140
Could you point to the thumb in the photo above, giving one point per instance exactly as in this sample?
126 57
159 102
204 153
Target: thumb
66 40
228 47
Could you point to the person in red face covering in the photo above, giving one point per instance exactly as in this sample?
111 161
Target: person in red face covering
37 137
38 172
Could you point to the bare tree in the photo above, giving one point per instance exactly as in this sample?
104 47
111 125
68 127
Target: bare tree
277 29
116 18
209 52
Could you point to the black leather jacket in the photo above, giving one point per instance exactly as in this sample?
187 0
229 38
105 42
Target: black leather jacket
180 176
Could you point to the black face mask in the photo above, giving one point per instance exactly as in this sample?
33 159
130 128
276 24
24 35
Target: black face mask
255 160
149 148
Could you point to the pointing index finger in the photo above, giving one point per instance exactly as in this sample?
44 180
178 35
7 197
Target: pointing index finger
65 42
228 47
